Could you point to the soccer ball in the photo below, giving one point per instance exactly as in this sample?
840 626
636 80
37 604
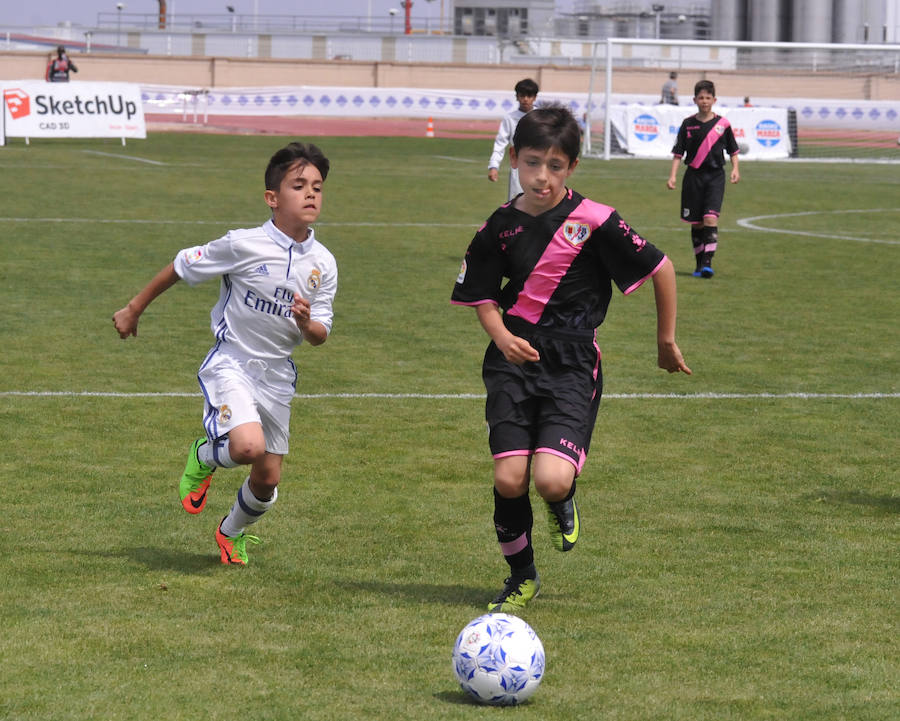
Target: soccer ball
498 659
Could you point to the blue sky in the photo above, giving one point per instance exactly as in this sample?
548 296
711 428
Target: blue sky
84 12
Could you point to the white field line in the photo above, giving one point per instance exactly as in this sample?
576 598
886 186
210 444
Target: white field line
474 396
124 157
233 224
450 157
751 224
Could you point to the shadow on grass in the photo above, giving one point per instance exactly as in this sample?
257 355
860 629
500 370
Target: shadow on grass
166 559
891 504
460 698
424 592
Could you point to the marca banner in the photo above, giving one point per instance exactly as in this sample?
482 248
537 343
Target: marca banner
35 109
649 131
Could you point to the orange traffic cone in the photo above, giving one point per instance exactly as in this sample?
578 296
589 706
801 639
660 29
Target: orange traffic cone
429 132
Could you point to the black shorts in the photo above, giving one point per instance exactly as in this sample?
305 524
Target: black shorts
549 406
702 192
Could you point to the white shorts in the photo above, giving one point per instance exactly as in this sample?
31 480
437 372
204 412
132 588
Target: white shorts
240 390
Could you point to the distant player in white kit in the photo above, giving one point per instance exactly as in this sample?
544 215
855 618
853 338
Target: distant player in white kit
278 284
526 95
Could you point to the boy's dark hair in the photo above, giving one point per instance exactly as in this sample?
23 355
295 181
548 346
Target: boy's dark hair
527 87
706 85
290 154
549 126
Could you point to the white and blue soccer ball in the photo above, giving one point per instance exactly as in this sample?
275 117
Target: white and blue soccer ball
498 659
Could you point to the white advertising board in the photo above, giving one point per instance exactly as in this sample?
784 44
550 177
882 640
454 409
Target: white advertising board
650 131
36 109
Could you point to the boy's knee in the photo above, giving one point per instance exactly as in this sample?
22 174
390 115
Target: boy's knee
247 450
511 485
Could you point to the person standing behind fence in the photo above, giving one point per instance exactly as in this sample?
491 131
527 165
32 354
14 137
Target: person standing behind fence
526 93
59 67
669 94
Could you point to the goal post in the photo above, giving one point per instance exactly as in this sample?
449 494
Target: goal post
827 101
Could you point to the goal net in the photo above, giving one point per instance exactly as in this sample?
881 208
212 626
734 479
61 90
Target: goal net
785 100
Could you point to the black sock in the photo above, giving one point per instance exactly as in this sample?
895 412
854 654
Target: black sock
513 520
697 243
710 243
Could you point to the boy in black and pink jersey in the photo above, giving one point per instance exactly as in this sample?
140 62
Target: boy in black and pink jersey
701 139
559 254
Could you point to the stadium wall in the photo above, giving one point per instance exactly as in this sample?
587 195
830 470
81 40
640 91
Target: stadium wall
222 72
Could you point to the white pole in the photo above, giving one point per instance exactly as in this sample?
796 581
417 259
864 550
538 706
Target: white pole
607 123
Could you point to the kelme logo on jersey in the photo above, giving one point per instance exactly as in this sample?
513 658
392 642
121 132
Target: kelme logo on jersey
646 127
18 102
315 278
768 133
576 233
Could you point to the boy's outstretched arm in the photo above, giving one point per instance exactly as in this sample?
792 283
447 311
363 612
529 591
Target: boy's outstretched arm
126 319
669 355
515 349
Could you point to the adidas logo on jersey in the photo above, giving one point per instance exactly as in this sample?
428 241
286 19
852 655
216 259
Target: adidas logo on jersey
262 270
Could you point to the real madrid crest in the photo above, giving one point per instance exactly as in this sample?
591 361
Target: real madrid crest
225 413
315 277
576 233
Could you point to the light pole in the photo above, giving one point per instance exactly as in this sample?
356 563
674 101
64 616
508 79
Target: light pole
119 8
393 13
657 9
230 9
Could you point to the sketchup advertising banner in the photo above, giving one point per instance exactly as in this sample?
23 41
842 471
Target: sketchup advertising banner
35 109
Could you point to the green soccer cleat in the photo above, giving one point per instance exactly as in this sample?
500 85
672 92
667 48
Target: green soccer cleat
517 592
195 480
234 549
562 517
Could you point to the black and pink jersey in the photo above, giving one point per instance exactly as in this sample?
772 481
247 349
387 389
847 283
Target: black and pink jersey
559 265
702 143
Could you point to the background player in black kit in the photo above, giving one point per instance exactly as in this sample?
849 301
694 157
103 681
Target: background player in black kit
701 139
560 253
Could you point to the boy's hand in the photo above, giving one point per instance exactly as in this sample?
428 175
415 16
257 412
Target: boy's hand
493 174
301 311
735 176
670 358
670 183
126 322
518 350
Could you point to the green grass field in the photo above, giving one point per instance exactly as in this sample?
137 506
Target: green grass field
740 527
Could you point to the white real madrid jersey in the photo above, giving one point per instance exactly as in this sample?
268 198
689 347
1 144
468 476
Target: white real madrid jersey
261 269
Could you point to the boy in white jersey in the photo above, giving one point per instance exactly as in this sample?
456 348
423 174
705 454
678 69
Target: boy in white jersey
277 288
526 94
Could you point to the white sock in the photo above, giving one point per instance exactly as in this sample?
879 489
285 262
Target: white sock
246 511
216 454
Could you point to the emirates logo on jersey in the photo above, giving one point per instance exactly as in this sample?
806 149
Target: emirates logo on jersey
576 233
